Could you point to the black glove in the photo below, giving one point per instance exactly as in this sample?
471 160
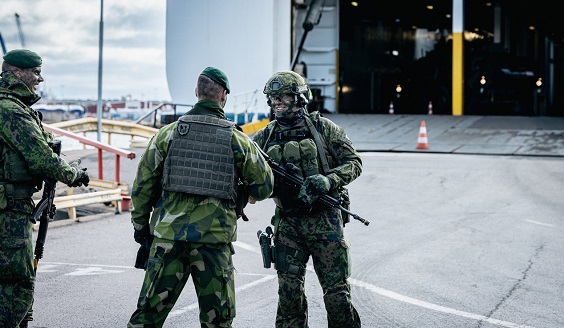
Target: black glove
142 236
313 187
82 178
145 239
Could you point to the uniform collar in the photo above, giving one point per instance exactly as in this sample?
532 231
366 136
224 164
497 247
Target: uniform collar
17 88
207 107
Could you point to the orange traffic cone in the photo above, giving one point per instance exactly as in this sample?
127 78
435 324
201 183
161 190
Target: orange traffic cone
391 110
422 142
430 108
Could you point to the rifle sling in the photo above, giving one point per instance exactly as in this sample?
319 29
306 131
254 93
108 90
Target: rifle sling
319 145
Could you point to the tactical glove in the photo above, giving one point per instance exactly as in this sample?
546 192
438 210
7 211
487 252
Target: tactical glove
142 235
314 186
76 163
145 239
82 178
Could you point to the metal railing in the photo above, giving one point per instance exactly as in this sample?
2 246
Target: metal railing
100 146
248 105
163 108
116 194
242 108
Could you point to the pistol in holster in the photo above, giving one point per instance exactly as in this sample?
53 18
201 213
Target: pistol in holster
267 249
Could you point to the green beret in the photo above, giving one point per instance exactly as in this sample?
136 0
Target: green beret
217 76
22 58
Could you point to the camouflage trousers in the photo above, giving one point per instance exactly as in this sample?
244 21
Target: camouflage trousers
17 276
320 237
169 266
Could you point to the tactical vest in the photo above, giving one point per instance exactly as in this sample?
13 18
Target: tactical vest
16 182
295 146
200 159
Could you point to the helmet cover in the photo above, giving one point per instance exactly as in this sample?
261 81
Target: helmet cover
286 82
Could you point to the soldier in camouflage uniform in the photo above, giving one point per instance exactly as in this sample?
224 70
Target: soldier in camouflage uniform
25 160
328 161
187 177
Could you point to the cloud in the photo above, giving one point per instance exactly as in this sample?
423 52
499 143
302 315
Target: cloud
66 35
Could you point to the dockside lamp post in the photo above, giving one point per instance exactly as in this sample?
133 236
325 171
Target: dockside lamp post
100 46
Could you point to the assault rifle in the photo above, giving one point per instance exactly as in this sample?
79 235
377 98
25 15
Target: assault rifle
43 212
288 175
45 209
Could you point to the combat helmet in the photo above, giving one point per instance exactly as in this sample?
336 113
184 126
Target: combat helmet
286 82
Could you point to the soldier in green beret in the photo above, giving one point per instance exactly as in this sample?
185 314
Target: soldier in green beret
303 227
25 161
217 76
184 207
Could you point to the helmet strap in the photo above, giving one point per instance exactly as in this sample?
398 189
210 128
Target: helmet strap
291 120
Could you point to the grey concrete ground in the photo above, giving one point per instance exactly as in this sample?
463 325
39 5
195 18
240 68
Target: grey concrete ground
526 226
489 135
494 135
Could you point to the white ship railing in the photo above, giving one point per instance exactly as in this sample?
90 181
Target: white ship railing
247 107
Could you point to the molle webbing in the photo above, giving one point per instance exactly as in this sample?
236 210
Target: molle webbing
13 167
10 192
19 191
200 159
292 135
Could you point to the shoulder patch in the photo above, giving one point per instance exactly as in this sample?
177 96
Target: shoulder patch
183 128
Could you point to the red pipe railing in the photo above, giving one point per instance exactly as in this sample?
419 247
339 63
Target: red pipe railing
100 146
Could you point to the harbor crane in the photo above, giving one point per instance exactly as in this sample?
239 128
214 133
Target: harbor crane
22 40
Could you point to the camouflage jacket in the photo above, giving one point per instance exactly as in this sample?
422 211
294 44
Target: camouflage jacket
345 164
22 135
189 217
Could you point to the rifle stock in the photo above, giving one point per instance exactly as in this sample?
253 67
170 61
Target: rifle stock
287 175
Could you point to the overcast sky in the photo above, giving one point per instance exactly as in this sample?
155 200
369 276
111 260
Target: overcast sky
65 33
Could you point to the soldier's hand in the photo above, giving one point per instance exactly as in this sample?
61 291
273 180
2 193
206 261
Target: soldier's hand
314 186
82 178
76 163
142 236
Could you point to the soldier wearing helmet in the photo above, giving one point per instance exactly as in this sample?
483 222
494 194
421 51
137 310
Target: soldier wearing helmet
289 89
321 152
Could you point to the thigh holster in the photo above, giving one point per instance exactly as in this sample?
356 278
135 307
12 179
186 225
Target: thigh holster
291 260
